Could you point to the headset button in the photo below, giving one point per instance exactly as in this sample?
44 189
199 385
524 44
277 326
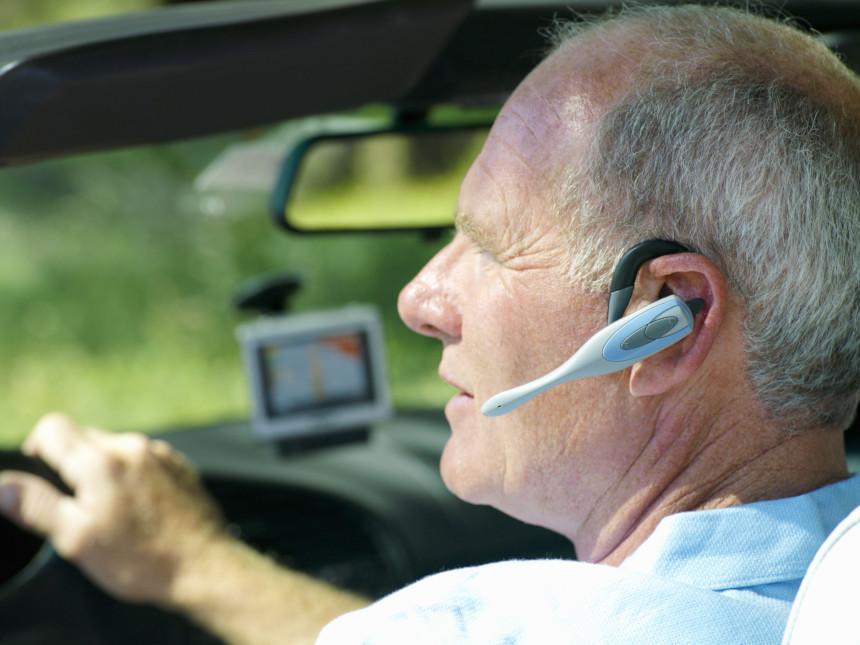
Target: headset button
660 327
636 339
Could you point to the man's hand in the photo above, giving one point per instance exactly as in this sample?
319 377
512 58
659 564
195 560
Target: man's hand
138 514
142 527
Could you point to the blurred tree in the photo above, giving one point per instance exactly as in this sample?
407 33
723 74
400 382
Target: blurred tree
16 14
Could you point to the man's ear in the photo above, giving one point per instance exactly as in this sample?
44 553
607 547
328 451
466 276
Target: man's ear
688 276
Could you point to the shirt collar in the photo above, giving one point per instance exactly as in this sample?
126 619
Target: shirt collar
744 546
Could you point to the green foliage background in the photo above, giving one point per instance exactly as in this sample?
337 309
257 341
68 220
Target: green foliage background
26 13
115 291
116 286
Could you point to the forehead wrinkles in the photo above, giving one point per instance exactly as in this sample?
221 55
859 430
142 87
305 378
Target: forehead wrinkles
519 162
542 129
549 121
529 132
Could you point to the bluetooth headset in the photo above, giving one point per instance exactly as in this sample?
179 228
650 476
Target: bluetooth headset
624 341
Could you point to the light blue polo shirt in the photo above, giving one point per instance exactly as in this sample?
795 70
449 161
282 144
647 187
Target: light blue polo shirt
704 577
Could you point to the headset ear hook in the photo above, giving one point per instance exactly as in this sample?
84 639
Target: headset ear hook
695 305
624 276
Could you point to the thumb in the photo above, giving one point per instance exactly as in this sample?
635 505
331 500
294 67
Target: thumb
31 502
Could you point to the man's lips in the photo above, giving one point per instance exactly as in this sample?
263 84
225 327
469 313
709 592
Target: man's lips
453 383
462 403
458 405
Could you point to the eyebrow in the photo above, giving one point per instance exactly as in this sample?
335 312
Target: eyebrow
466 225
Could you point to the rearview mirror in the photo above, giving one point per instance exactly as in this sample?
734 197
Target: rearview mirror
382 180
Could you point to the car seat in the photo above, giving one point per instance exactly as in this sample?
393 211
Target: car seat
825 610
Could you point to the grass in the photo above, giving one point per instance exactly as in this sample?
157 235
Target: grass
115 292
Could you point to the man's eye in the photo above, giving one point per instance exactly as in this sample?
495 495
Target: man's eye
483 249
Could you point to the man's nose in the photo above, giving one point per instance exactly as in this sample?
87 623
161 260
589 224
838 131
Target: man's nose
430 304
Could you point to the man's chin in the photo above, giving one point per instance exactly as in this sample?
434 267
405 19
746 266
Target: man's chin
461 474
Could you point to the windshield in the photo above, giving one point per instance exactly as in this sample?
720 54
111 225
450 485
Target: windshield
116 286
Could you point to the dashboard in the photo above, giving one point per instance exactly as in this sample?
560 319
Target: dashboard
369 516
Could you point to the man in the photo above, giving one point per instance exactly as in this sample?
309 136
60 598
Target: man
697 484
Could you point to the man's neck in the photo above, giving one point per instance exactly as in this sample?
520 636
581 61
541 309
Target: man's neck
736 464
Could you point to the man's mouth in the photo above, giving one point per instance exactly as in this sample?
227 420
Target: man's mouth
463 401
453 383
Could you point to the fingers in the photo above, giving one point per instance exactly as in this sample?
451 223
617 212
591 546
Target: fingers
137 514
33 503
30 500
66 448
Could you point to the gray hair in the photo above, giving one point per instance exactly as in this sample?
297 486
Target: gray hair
740 138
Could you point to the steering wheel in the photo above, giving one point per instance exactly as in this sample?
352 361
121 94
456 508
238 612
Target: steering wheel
19 546
44 600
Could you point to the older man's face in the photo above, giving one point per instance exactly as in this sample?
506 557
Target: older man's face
498 298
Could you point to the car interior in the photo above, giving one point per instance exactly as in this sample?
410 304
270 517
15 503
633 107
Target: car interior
331 466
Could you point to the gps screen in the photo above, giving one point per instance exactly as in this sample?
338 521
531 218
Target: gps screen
315 373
